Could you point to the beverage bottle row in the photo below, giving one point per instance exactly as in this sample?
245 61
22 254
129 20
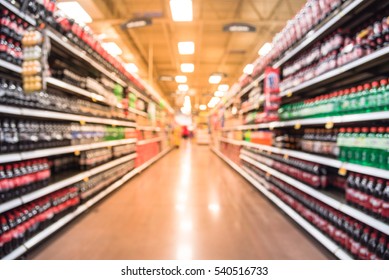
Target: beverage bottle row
360 240
20 224
361 99
320 141
23 177
369 194
365 146
92 158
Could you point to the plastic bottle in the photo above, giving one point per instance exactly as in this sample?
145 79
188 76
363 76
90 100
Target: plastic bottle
381 95
371 142
356 148
363 253
380 249
372 245
363 148
375 199
382 149
341 144
349 144
373 97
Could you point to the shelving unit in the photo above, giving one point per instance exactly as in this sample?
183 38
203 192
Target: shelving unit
17 12
148 141
149 128
41 236
10 67
315 233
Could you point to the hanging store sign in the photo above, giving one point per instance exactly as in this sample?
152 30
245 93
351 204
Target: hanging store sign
135 23
239 27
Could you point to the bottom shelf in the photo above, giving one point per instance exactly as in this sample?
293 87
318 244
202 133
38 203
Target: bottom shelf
80 209
320 237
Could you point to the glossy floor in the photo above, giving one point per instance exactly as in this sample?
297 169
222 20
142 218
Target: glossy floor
189 205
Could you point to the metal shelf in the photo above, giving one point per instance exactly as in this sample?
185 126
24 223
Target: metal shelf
138 112
79 53
6 158
331 24
340 206
63 183
81 209
372 171
374 58
320 237
74 89
37 113
17 12
148 128
375 116
9 66
148 141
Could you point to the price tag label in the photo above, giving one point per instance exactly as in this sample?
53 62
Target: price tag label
114 125
82 122
342 171
271 127
297 126
329 125
86 179
286 156
289 93
77 153
94 99
268 175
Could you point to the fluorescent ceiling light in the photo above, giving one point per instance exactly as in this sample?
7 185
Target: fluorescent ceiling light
181 10
203 107
186 48
219 93
131 67
248 69
183 87
223 87
74 10
213 102
112 48
181 79
187 67
265 49
187 102
215 79
166 78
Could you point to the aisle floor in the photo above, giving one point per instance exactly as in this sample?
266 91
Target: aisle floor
188 205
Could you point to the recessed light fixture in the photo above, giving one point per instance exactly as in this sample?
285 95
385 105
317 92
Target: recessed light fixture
248 69
181 79
186 48
166 78
219 93
215 78
112 48
265 49
187 67
74 10
223 87
182 10
183 87
131 67
203 107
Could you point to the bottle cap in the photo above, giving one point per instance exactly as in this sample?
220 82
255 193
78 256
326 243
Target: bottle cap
373 129
359 88
357 129
375 84
365 129
366 86
383 82
381 129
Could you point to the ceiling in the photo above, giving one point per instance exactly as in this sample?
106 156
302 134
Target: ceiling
154 48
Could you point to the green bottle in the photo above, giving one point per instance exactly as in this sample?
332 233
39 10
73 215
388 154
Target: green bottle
345 101
382 149
382 90
356 150
372 151
353 99
349 143
386 97
373 97
363 97
340 142
364 160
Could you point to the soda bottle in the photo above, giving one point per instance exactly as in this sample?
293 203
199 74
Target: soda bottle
375 200
362 97
386 254
373 97
385 204
363 253
349 144
356 150
380 249
382 149
355 243
386 97
363 148
363 200
354 95
372 152
350 189
386 145
358 190
381 95
372 245
341 144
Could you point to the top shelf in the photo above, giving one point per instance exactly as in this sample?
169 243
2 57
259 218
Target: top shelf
77 52
332 23
17 12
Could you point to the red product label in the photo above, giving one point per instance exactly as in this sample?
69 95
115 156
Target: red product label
385 209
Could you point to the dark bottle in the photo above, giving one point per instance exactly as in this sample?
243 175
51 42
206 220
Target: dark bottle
386 254
355 244
372 245
380 250
363 253
385 204
375 200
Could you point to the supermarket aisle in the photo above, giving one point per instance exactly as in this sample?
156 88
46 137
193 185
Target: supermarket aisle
189 205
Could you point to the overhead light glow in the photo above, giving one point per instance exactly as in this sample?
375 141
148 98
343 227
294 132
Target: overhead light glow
213 102
223 87
249 68
219 93
215 79
74 10
187 67
187 108
112 48
181 79
182 10
265 49
203 107
183 87
131 67
166 78
186 48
